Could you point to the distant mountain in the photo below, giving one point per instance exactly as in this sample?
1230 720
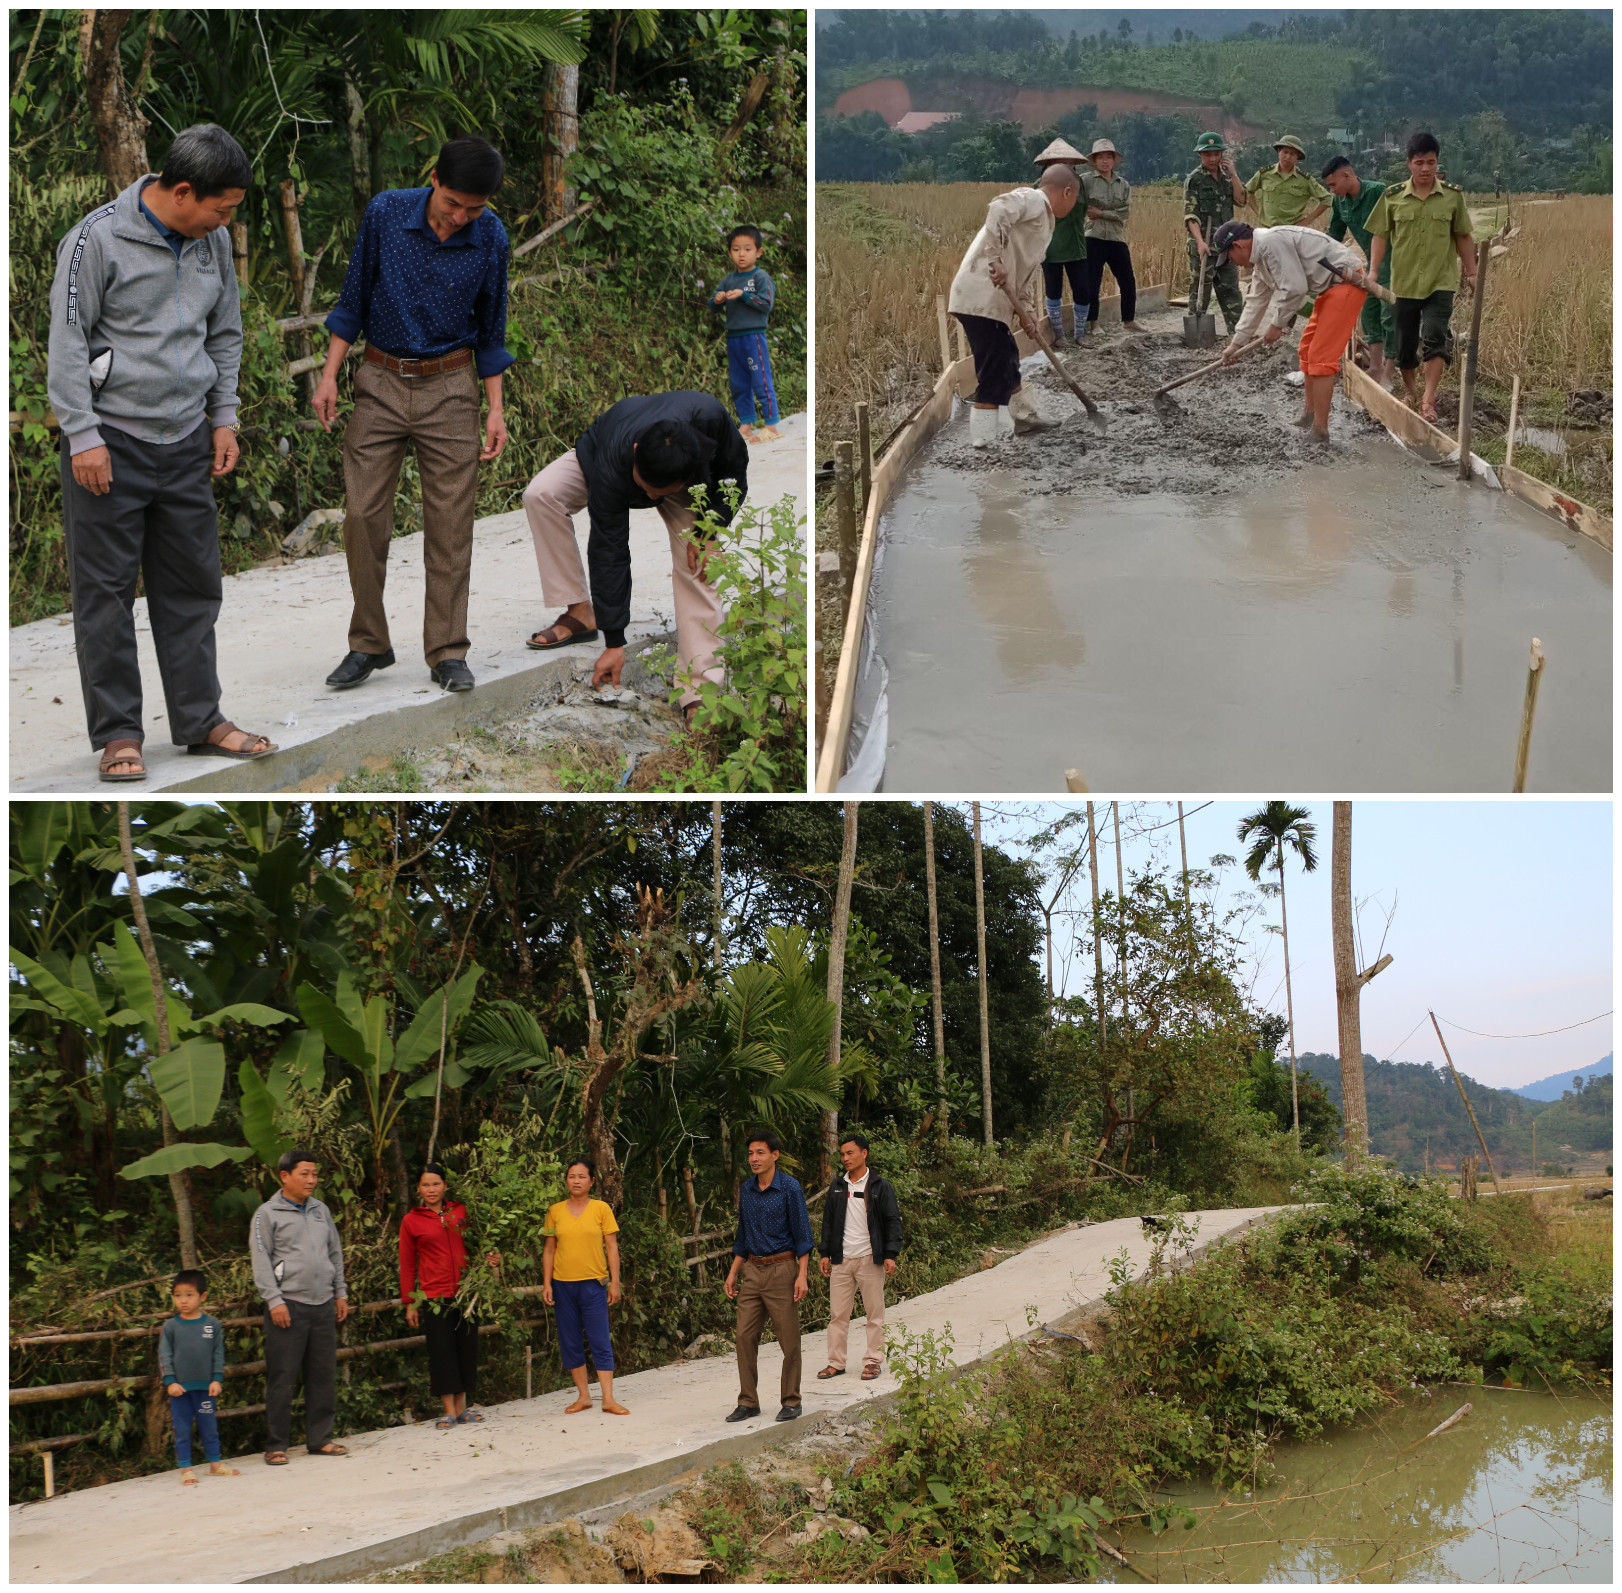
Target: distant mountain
1148 26
1553 1087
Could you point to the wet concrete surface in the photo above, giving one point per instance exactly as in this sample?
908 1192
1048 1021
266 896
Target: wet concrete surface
1214 606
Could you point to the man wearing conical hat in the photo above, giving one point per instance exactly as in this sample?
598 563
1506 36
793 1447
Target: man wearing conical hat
1067 253
1109 201
1282 193
1210 193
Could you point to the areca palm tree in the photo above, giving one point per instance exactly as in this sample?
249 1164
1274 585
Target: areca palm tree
1272 831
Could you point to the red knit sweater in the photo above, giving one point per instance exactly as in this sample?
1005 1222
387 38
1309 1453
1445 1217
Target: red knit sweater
431 1247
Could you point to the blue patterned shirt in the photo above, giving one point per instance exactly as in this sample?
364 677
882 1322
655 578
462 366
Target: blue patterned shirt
417 297
773 1219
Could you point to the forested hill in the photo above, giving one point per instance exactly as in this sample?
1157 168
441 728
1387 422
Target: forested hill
1551 1088
1409 1100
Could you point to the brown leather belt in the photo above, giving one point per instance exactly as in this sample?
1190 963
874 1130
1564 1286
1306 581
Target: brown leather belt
771 1261
453 361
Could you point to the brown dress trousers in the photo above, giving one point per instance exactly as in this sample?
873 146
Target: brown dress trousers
440 416
766 1289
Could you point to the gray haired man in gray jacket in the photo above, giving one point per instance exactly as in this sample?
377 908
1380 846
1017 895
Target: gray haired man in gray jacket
298 1268
145 345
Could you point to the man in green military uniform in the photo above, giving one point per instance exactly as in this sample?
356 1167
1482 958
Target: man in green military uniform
1282 193
1354 200
1209 195
1424 224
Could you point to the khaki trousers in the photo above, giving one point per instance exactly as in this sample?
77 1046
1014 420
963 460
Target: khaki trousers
559 493
847 1277
440 416
768 1291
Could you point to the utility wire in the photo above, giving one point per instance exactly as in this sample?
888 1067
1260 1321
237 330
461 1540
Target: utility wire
1483 1035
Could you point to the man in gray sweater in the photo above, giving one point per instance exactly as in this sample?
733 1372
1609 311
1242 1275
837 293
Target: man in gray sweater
145 344
298 1268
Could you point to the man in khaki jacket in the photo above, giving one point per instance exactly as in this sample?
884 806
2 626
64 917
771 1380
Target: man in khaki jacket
998 287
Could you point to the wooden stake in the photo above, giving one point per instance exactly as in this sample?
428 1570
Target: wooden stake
946 340
1482 1138
864 441
845 513
1534 673
50 1474
1514 421
1467 386
529 1371
1073 780
239 250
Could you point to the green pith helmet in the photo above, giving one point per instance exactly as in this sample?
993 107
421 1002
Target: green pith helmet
1290 141
1209 141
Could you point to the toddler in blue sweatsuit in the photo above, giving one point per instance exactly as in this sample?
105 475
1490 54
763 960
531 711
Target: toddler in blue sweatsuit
745 295
191 1362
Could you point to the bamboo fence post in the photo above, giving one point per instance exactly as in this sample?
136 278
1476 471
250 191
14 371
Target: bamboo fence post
1073 780
942 323
864 441
529 1371
1482 1138
1534 673
1514 421
1467 387
845 513
50 1474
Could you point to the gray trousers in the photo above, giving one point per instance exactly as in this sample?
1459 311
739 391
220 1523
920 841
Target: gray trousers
308 1344
157 521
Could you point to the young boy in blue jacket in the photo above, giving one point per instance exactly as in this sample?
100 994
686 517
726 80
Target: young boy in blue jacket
745 295
191 1362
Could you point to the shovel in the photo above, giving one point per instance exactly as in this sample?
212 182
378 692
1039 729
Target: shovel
1094 413
1165 403
1199 331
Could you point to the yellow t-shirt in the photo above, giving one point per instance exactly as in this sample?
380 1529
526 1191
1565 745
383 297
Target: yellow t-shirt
581 1254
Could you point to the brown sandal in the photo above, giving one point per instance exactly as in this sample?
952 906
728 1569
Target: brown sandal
114 753
572 630
331 1449
276 1457
869 1373
258 746
830 1371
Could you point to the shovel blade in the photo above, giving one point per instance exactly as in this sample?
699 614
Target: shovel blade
1199 331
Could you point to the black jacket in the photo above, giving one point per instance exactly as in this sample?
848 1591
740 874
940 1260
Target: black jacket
604 452
883 1219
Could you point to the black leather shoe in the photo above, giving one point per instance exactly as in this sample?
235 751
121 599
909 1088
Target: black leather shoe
744 1413
357 666
452 674
788 1413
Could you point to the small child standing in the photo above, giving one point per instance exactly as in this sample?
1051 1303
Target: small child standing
746 294
191 1361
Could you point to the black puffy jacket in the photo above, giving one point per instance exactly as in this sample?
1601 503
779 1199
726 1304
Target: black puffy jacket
883 1219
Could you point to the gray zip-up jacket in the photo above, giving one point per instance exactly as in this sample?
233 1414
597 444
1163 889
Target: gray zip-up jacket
172 328
296 1253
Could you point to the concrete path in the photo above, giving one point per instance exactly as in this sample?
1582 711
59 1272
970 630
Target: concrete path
283 628
409 1492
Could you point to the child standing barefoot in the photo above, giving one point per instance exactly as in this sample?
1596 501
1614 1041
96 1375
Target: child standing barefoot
745 294
191 1361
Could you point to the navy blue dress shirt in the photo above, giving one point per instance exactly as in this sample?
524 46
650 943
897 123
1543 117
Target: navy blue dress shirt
773 1219
417 297
175 240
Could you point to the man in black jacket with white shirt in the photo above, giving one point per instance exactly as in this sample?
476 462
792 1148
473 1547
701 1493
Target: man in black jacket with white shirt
861 1241
644 453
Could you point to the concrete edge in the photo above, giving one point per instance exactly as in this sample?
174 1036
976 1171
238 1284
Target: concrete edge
340 753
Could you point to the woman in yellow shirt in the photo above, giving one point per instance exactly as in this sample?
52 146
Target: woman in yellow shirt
581 1279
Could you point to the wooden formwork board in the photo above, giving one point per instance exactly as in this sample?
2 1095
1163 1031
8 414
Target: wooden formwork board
1577 516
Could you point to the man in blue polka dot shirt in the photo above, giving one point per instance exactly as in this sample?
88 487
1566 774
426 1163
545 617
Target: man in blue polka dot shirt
427 285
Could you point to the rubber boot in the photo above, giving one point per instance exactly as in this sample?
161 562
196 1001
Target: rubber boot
1005 422
1026 418
1056 320
983 428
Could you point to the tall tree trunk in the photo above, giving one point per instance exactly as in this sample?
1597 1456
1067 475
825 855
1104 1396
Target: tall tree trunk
718 943
120 127
1100 1017
179 1185
935 971
1289 1000
560 89
360 160
838 934
1188 907
985 1010
1120 961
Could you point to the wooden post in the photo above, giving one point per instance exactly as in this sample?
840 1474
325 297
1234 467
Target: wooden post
962 342
1467 387
1073 780
295 266
1534 1150
50 1475
1514 421
864 441
1534 673
946 340
239 250
845 513
980 926
529 1371
1481 1138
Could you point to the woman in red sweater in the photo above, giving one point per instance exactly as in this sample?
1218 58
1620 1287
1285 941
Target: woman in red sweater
431 1250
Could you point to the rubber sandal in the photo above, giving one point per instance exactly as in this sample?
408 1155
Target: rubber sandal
470 1416
113 753
276 1457
830 1371
574 631
214 749
869 1373
445 1423
333 1451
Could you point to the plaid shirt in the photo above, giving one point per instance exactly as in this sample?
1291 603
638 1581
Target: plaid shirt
773 1219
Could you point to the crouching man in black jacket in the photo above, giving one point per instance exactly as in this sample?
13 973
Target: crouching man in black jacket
644 453
861 1239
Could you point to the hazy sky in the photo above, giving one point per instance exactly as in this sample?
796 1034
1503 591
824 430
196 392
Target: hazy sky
1502 922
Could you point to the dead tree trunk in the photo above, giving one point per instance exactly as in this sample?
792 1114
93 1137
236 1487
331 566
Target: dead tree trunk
1349 988
120 127
560 89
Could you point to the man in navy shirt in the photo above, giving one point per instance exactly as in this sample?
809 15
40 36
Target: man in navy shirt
770 1258
427 284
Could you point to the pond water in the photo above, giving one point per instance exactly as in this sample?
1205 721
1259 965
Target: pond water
1518 1491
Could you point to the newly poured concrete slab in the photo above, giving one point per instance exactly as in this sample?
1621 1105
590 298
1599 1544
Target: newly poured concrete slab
283 629
1356 624
408 1492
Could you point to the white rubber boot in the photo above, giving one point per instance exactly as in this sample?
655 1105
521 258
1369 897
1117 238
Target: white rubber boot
1005 422
983 428
1026 417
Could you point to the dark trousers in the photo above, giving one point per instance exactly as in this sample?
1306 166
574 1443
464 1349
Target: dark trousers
453 1351
307 1345
996 358
1114 253
582 1310
766 1289
194 1405
1055 271
1423 329
157 520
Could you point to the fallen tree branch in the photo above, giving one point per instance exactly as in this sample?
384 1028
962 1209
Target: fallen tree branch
534 243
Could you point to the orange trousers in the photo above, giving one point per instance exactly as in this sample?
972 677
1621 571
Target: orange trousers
1330 327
